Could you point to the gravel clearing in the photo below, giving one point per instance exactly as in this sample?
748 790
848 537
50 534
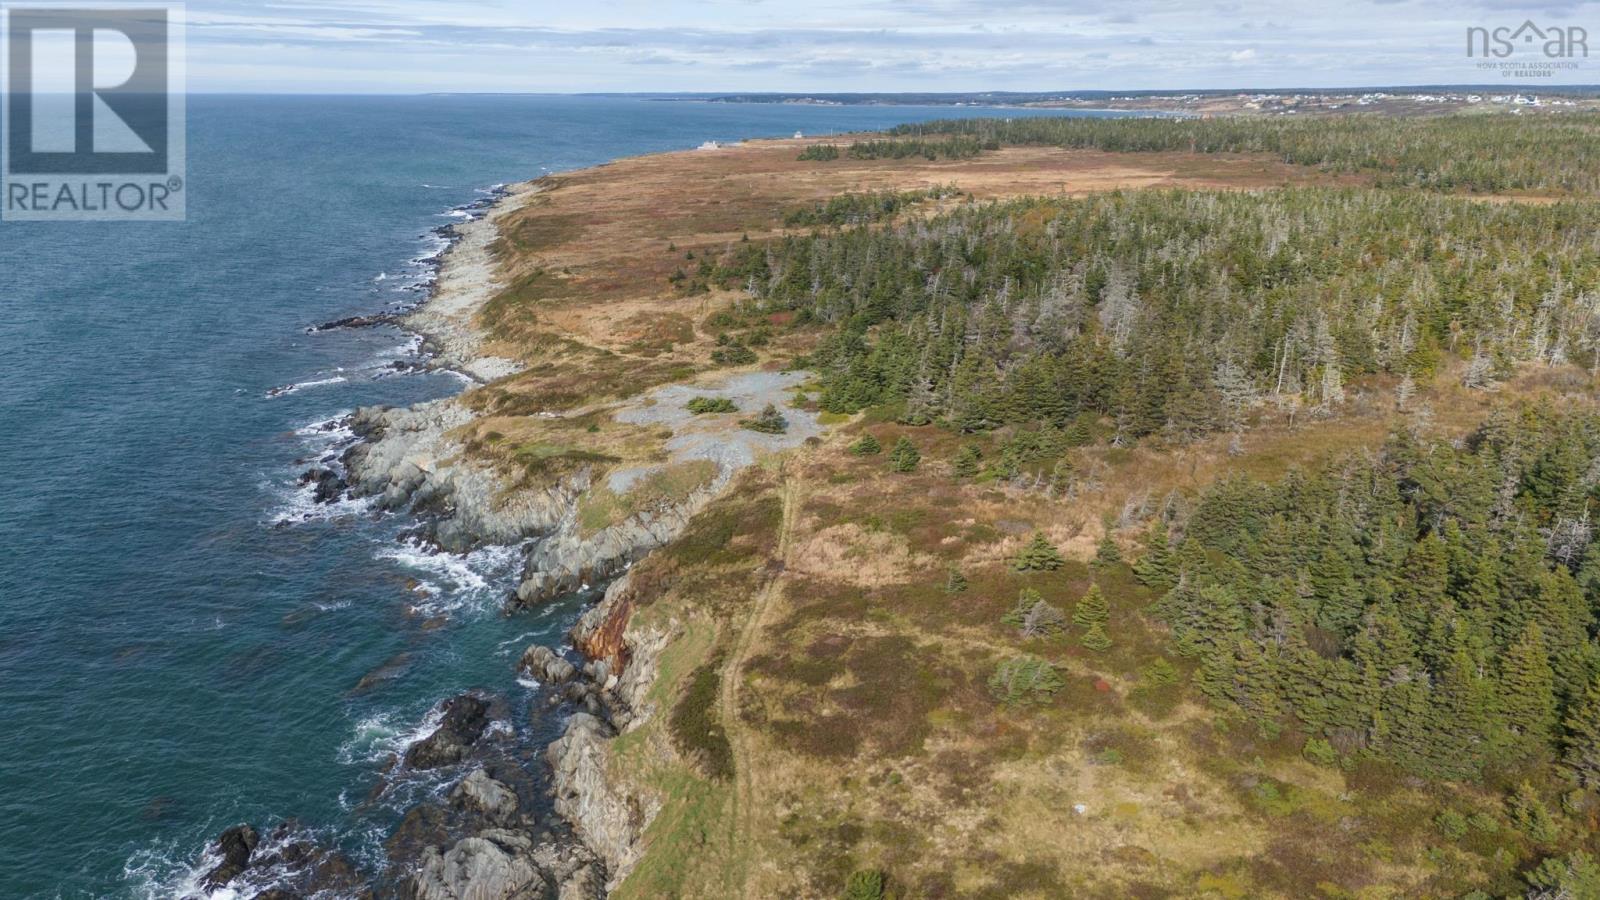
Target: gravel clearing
717 436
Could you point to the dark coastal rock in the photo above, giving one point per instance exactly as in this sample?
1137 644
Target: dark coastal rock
401 367
465 718
330 485
235 845
542 663
424 825
295 867
351 322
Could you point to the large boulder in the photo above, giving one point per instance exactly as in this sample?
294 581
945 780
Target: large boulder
465 718
484 797
235 846
544 664
494 865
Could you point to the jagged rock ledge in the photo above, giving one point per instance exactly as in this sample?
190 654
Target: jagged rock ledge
624 660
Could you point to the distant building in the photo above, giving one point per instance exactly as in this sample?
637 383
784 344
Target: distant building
711 145
798 136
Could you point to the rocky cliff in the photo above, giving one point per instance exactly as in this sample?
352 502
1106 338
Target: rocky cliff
603 809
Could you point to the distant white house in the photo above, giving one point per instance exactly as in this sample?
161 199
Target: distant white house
798 136
711 145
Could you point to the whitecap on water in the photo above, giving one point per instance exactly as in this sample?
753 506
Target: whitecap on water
298 503
449 582
333 430
164 871
386 734
287 389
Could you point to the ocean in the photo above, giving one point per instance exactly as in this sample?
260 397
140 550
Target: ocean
187 642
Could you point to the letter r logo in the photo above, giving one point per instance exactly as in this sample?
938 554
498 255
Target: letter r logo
88 91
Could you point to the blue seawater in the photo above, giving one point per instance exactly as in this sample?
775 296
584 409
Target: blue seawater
182 633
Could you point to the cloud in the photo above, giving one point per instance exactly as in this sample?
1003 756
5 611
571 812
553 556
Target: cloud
834 45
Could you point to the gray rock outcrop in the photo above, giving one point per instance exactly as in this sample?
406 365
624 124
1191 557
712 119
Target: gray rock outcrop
544 664
481 795
496 864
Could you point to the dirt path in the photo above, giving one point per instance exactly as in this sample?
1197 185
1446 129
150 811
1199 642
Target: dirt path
742 821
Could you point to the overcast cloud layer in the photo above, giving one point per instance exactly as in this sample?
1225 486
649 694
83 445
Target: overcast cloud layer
831 45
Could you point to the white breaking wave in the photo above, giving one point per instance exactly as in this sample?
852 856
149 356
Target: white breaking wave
298 503
335 429
162 871
382 736
302 385
448 582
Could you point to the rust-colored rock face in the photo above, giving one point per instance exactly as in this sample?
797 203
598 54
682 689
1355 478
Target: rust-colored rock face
605 641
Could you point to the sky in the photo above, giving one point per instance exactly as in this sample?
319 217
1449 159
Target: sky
407 46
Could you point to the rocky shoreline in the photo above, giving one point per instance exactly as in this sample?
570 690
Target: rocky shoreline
485 838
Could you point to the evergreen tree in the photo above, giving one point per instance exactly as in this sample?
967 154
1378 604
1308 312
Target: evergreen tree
866 884
1527 688
1531 816
1583 738
1203 617
904 457
955 582
1108 553
1157 568
1025 679
1095 639
1039 555
1575 876
866 446
1092 608
966 462
770 421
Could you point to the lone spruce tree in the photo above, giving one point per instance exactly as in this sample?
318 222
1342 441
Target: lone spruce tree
1038 556
955 582
867 446
1092 609
966 464
1092 613
1108 553
904 457
769 422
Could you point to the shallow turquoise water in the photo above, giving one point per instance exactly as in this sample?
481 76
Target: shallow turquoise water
179 648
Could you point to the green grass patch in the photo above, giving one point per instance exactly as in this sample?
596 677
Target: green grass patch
602 507
541 459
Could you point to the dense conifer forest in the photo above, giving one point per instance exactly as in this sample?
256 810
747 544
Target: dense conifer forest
1173 314
1473 153
1431 604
